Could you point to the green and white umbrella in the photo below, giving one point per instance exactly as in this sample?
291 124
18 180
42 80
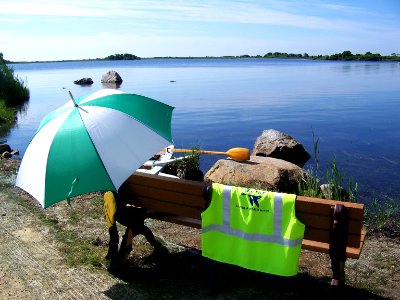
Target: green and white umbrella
93 143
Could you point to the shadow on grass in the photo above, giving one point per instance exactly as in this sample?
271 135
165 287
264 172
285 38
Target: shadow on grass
187 275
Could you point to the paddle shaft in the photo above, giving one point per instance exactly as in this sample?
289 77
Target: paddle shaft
199 151
239 154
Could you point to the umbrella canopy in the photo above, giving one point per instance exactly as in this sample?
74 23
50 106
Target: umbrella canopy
93 143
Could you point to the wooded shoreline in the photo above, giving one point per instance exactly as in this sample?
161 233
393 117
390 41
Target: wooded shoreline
344 56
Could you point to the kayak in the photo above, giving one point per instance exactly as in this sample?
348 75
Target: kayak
156 164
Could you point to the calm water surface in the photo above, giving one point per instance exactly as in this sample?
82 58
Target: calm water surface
352 107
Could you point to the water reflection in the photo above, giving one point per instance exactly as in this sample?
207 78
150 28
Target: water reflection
7 125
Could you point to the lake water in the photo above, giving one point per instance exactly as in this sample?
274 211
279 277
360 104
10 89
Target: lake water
353 108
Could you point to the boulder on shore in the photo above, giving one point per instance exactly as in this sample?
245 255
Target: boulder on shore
84 81
4 148
111 77
260 172
273 143
6 152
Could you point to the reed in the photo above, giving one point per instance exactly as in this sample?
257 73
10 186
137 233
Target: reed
12 88
332 185
7 118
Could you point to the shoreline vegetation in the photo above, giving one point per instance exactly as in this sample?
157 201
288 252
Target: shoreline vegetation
344 56
13 96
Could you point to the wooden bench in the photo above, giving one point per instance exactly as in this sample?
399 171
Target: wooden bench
332 227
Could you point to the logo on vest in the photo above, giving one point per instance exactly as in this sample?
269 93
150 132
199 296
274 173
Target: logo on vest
254 201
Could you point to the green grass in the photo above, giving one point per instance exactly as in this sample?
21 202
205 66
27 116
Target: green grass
383 216
76 251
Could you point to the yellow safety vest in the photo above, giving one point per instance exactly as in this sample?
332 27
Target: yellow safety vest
254 229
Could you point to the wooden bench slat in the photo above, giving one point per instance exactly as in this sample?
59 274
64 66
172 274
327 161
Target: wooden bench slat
169 184
323 207
323 236
189 200
324 222
362 241
329 202
186 221
351 252
167 207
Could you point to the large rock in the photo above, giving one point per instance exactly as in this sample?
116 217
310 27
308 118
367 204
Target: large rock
111 77
273 143
260 172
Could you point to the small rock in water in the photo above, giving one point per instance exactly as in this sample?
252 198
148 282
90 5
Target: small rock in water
84 81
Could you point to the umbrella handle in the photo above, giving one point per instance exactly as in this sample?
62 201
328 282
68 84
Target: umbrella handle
71 190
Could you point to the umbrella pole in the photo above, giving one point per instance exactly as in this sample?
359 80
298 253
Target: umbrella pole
73 99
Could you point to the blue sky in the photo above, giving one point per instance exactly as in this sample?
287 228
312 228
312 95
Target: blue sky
77 29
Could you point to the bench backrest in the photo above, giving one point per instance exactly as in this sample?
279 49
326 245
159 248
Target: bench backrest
188 199
167 195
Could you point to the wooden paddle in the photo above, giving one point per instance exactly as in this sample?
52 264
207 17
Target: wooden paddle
238 154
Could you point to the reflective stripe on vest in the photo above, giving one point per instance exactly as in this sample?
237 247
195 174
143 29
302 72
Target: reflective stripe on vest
275 238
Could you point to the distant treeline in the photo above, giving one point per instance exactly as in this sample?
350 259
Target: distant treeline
368 56
125 56
345 55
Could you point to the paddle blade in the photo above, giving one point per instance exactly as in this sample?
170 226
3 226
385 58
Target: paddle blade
239 154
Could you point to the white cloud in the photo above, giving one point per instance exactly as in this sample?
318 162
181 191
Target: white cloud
180 28
343 8
201 11
60 8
